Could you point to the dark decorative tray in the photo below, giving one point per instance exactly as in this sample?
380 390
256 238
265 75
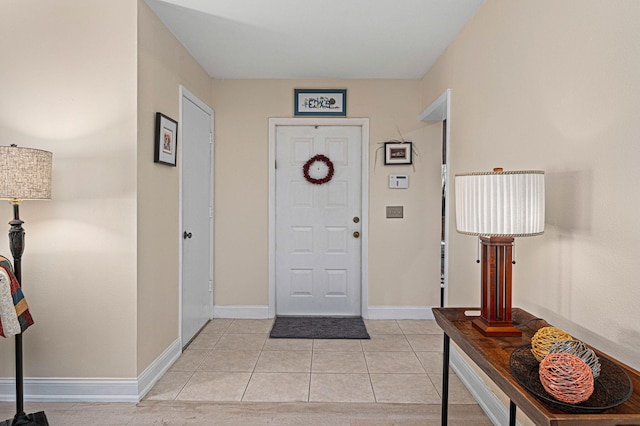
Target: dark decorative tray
612 388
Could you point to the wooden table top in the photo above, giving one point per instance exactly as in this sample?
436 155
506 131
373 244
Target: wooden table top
492 355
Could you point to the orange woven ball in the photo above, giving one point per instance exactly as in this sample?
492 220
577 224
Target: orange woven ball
543 340
566 377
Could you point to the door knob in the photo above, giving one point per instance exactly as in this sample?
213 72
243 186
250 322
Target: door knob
356 234
186 235
356 219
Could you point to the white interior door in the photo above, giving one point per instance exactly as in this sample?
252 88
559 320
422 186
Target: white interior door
318 246
197 216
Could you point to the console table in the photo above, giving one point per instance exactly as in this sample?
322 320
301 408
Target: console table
492 354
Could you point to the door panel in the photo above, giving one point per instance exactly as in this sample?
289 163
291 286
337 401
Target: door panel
197 207
318 258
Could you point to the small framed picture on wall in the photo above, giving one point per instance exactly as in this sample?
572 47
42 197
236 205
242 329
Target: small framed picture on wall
166 142
397 153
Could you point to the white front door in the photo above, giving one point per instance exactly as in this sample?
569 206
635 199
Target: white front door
197 216
318 226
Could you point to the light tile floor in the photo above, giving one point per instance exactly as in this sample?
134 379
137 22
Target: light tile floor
235 360
232 374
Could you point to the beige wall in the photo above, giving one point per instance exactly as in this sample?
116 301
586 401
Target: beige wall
103 307
404 263
403 253
553 85
68 84
163 65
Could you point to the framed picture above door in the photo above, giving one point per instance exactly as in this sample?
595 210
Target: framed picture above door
320 102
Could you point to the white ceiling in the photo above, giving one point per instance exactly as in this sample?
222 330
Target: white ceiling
315 38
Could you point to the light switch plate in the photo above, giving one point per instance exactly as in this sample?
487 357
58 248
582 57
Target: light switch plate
395 212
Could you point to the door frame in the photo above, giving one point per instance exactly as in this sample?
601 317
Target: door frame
186 94
363 123
438 111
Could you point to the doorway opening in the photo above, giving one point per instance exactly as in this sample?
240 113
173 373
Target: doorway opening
439 111
443 229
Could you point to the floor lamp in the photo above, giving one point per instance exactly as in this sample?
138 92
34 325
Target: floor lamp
25 174
498 206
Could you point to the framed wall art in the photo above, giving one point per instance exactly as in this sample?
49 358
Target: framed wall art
397 153
320 102
166 143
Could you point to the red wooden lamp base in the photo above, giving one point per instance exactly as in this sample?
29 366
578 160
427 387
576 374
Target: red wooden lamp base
493 330
495 316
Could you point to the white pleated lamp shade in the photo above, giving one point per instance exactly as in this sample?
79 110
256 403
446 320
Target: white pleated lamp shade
500 203
25 173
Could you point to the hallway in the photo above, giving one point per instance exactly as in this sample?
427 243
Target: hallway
233 374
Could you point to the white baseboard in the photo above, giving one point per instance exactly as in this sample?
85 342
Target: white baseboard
488 401
400 312
158 367
241 312
93 390
72 390
374 312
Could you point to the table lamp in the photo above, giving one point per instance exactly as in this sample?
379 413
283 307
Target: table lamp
25 174
498 206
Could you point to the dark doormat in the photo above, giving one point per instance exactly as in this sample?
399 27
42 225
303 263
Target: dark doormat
319 328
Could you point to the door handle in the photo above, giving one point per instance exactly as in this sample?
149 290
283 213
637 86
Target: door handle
186 235
356 219
356 234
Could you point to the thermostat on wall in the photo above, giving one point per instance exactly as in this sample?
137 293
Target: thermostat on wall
398 181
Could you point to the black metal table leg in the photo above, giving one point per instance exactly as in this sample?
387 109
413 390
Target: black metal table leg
512 413
445 381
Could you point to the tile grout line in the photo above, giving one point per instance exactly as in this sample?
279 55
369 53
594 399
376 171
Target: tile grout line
199 364
175 398
244 392
313 342
364 355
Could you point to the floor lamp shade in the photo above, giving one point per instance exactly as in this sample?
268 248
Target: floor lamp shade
498 206
25 173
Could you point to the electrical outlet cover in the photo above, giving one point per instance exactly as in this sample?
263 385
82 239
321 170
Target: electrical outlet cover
395 212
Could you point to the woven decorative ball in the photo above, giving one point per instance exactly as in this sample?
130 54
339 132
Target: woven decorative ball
579 349
566 377
544 338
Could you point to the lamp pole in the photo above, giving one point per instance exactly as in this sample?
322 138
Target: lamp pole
16 244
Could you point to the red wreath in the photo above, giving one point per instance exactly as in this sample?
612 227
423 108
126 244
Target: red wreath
318 158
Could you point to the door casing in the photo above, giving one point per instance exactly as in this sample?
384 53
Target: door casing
440 110
363 123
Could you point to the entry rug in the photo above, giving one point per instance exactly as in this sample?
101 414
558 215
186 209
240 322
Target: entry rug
319 328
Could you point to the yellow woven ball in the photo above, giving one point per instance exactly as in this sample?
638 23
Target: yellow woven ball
543 340
566 377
